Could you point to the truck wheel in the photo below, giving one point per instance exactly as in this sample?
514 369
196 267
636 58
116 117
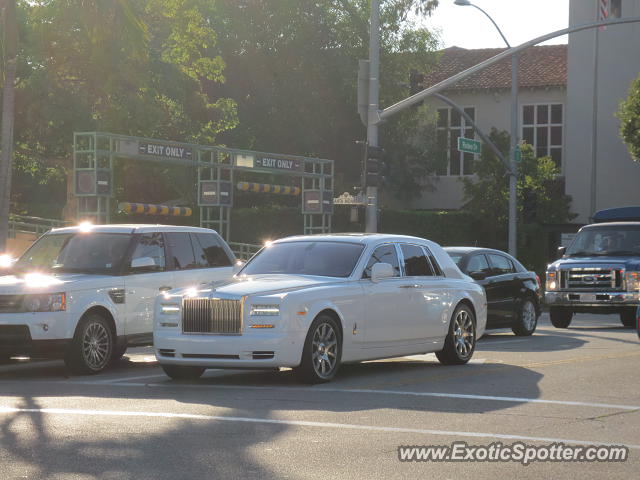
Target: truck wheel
628 317
183 372
527 319
92 346
560 317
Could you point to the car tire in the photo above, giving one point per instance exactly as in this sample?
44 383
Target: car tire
4 359
527 319
560 317
628 317
322 351
183 372
92 346
460 342
118 352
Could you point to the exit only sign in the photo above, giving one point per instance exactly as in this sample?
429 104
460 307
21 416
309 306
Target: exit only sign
469 145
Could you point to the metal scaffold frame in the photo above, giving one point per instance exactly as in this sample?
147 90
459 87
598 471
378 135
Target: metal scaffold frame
93 160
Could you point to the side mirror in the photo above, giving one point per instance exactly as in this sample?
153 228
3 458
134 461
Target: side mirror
479 275
561 251
143 263
380 271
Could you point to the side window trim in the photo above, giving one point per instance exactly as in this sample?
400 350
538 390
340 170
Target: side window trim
437 271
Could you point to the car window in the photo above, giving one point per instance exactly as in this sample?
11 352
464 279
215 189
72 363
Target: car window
208 251
383 254
478 264
151 245
181 251
501 264
434 264
415 261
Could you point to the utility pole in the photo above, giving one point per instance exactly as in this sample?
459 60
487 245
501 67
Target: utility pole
371 211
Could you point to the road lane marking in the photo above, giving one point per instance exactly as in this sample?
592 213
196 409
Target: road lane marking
304 423
116 380
408 393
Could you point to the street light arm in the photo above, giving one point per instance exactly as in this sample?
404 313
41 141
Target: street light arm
494 24
420 96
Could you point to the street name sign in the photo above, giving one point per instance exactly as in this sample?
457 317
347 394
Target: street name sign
469 145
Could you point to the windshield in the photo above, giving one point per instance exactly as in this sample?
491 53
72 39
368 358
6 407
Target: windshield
327 259
618 240
98 253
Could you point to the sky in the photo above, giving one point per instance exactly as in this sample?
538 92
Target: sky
519 20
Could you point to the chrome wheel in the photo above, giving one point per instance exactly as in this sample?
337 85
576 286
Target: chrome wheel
96 346
463 334
324 350
528 315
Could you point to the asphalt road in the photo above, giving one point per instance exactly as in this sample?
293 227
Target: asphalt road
578 386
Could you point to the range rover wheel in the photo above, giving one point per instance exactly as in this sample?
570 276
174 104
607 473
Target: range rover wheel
527 319
461 339
322 351
628 317
560 317
92 346
183 372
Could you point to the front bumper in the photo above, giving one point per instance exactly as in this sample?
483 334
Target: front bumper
615 300
42 334
260 349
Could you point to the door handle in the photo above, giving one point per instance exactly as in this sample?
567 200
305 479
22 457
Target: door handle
410 286
165 288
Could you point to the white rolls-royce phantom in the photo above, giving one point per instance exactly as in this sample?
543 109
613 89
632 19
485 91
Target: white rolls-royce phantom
314 302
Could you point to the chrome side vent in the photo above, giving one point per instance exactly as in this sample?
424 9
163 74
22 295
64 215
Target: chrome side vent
212 316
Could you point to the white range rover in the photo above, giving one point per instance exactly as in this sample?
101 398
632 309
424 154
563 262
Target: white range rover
86 293
314 302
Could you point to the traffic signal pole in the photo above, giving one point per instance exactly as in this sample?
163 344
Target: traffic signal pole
371 212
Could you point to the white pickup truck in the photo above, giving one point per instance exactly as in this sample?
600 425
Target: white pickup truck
87 293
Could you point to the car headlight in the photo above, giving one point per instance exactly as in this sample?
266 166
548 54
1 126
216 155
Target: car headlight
552 281
264 310
169 308
632 281
54 302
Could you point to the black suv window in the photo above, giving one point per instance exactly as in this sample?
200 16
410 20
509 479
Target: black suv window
151 245
383 254
501 265
209 251
181 250
415 262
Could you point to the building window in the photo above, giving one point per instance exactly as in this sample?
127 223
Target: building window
542 128
452 125
615 10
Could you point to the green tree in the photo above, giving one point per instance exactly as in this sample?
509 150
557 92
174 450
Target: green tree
292 68
629 115
540 198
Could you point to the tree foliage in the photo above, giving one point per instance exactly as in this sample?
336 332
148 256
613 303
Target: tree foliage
629 115
540 194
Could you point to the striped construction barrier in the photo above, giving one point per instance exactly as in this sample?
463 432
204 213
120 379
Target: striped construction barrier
151 209
267 188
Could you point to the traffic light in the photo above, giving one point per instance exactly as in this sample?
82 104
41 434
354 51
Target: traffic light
373 166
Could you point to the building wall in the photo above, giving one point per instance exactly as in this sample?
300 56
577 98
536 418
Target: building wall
617 176
492 109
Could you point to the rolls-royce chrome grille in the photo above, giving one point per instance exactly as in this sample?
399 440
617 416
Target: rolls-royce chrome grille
212 315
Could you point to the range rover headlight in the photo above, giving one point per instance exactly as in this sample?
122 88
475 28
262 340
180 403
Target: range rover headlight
264 310
552 281
54 302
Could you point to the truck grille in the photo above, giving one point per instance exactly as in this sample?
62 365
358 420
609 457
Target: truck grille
11 303
211 315
592 278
